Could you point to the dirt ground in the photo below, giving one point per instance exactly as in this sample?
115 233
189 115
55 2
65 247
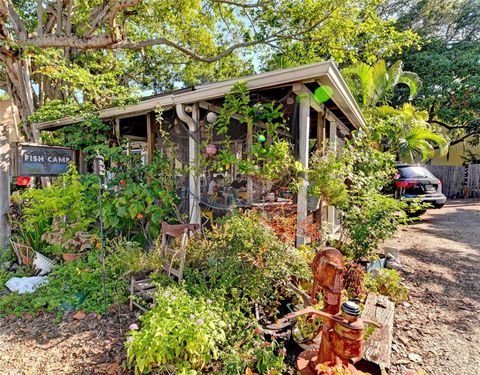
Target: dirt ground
79 344
438 329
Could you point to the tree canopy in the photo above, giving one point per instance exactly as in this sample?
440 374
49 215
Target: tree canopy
447 62
102 52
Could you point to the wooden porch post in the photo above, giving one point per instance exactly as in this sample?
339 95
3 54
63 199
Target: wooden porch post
193 155
332 131
304 135
150 137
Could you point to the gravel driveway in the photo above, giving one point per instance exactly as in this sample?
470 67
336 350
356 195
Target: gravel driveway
438 329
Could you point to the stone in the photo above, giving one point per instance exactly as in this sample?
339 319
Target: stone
414 357
79 315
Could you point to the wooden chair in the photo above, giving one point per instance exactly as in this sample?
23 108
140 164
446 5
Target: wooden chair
174 262
23 252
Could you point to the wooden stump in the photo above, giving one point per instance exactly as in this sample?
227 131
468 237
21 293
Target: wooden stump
378 347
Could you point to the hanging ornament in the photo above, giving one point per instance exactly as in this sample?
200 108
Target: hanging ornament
211 149
211 117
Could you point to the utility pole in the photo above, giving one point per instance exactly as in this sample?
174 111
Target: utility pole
4 185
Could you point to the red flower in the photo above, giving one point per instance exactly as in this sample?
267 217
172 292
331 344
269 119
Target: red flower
123 182
266 344
139 216
257 331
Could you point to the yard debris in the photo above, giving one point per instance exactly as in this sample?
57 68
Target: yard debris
25 284
79 315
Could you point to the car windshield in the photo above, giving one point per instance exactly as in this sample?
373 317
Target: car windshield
415 172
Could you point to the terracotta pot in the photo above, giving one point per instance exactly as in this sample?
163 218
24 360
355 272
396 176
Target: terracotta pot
72 257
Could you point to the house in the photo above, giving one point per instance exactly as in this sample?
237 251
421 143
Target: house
311 121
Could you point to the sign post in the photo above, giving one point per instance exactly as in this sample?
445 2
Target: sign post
4 186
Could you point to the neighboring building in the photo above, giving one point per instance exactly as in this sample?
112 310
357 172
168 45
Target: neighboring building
456 154
9 117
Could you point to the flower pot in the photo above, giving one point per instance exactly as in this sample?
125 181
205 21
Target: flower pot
72 257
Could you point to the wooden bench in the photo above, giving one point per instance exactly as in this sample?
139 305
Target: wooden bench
174 262
378 346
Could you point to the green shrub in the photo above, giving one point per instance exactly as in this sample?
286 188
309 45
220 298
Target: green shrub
244 258
387 282
71 285
181 333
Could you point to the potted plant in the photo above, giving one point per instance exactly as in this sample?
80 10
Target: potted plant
69 241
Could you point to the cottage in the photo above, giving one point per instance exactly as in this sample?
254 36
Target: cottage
318 109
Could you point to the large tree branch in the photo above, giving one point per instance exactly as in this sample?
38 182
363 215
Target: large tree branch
17 22
462 138
447 126
258 4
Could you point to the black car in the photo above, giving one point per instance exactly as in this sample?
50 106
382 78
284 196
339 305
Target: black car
415 181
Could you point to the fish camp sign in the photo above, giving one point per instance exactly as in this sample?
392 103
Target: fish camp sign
36 160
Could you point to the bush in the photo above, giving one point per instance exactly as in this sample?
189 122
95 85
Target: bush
387 282
179 334
244 257
75 285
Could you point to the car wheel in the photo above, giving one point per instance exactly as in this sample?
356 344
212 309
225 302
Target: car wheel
416 213
437 206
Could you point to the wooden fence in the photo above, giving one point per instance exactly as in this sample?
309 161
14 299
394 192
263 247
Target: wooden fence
458 182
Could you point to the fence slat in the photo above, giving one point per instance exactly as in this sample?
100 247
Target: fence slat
455 182
474 180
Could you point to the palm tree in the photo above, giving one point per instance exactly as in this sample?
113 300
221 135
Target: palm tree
404 129
373 84
410 134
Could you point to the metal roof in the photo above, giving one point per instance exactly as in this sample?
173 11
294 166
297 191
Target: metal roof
324 73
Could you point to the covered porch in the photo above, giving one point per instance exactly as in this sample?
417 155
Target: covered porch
318 109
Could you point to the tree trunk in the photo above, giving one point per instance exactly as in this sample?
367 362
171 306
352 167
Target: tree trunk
4 186
21 90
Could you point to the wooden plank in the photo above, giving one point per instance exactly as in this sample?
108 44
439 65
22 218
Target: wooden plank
378 346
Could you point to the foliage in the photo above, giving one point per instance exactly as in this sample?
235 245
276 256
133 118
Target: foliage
66 198
343 31
358 178
180 333
402 128
65 239
140 198
268 157
353 280
450 75
447 61
246 259
407 131
375 84
71 285
124 257
324 181
387 282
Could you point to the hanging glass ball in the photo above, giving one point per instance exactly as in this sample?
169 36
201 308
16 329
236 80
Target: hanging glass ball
211 149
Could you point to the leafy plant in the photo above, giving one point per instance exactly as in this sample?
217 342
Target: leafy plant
387 282
180 333
140 197
65 239
71 285
245 257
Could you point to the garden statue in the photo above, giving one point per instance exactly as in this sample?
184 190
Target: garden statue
341 342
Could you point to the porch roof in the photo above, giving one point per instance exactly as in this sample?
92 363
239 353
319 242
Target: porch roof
324 73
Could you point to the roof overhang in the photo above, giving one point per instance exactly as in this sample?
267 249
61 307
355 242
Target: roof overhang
325 73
